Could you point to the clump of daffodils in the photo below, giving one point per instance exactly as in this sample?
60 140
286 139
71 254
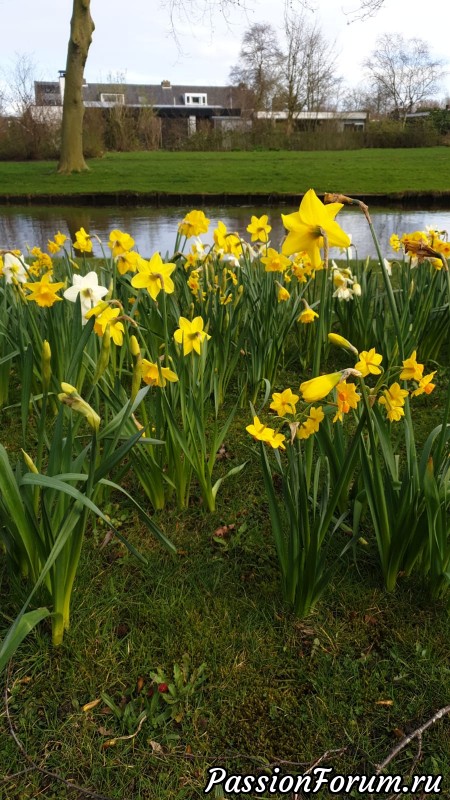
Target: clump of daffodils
345 285
343 392
431 245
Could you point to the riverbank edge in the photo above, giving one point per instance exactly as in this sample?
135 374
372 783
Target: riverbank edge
406 199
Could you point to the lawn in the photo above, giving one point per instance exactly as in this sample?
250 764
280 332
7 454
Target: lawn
384 172
364 669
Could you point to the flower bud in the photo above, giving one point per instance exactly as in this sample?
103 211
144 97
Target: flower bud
30 463
318 388
134 346
45 365
70 397
339 341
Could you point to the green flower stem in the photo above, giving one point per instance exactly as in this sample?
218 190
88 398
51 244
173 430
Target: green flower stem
382 526
321 323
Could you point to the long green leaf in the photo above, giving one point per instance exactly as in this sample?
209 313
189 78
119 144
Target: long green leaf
53 483
20 628
144 516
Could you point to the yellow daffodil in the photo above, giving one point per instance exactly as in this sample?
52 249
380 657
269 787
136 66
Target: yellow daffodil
307 225
369 363
227 243
43 292
425 385
259 228
194 281
259 431
83 241
276 440
347 398
53 247
274 261
128 261
394 400
307 315
442 247
154 276
194 224
412 371
156 376
318 388
59 238
220 235
262 433
43 262
395 243
283 295
191 335
311 424
120 242
108 319
284 402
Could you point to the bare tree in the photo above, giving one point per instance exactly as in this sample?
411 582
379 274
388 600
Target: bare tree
260 65
404 72
81 29
19 96
365 97
32 131
310 75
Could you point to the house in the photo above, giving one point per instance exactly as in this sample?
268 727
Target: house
219 105
310 120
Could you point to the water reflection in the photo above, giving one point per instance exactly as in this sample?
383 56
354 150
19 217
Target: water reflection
155 228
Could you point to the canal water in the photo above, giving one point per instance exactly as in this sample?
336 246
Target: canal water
154 229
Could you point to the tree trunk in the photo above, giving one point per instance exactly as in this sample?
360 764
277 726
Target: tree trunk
81 29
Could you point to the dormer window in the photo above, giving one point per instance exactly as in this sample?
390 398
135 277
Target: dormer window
117 99
195 99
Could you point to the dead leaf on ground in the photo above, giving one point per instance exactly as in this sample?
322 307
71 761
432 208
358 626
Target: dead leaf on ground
224 530
156 747
370 620
104 731
222 453
107 539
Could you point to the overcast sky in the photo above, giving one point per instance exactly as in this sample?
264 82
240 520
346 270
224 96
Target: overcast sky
135 37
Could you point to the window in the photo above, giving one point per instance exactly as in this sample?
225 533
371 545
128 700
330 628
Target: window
118 99
195 99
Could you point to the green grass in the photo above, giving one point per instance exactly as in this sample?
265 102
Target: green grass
276 688
383 172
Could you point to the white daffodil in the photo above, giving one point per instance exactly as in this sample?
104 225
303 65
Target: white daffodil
343 293
229 259
89 290
14 269
388 266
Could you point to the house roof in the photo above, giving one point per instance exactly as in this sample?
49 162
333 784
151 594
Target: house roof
163 94
354 116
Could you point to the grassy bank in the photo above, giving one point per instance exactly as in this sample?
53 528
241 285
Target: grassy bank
346 680
361 172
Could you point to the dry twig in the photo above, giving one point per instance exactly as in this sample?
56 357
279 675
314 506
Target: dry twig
33 766
417 734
